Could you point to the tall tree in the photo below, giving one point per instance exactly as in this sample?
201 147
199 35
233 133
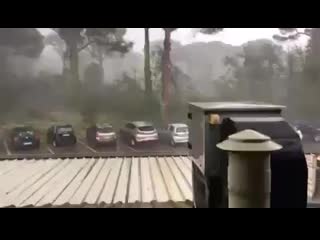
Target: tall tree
22 41
210 30
73 38
79 39
312 67
166 73
167 68
147 67
15 41
257 73
53 39
104 41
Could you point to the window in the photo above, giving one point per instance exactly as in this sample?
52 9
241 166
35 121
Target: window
105 130
146 129
182 130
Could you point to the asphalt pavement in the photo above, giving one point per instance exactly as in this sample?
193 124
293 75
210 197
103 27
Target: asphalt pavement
83 149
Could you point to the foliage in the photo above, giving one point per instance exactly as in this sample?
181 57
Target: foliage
54 40
92 93
22 41
99 40
210 30
290 34
147 66
254 74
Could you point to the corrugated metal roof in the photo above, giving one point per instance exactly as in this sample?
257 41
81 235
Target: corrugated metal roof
104 182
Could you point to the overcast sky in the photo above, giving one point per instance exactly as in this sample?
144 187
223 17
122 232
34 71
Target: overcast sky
233 36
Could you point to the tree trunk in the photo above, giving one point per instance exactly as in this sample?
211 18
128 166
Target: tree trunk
166 76
314 54
101 61
74 62
147 70
72 74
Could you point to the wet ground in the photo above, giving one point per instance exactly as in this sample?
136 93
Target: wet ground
82 148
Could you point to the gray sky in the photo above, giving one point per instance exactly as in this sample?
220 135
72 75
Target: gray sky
233 36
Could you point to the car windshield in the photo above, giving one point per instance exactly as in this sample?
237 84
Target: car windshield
63 130
146 129
182 130
26 133
105 130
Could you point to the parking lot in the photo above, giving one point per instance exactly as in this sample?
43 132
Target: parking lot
82 148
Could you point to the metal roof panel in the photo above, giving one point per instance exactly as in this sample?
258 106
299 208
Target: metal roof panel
104 182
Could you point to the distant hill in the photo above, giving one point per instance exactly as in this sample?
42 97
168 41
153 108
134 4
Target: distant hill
202 62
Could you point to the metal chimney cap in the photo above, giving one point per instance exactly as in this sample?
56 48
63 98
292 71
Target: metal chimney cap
249 141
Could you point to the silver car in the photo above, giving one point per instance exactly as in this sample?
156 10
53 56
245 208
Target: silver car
179 133
139 132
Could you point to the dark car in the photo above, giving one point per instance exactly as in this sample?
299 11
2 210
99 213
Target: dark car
61 135
139 132
102 134
22 138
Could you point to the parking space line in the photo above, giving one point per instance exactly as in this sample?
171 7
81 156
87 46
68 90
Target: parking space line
7 148
90 148
50 150
131 148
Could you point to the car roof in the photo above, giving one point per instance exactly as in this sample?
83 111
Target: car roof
141 123
63 125
103 125
22 128
177 125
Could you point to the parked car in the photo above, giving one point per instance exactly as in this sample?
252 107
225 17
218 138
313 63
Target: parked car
103 134
178 134
308 132
299 132
139 132
61 135
21 138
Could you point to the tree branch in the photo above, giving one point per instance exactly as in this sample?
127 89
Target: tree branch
85 46
302 33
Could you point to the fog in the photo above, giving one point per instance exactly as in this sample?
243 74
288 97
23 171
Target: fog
257 70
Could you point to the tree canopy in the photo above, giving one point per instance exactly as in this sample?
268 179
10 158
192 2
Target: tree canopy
22 41
110 38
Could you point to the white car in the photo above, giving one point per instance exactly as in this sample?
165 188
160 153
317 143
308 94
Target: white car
298 131
179 133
